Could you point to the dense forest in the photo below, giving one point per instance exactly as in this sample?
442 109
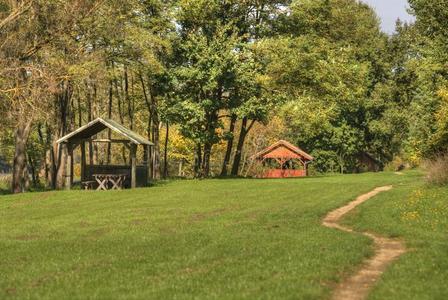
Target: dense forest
212 82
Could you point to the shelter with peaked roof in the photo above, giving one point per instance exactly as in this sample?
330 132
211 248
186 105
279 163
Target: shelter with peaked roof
130 139
283 159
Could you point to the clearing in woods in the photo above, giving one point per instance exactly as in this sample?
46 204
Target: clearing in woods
219 239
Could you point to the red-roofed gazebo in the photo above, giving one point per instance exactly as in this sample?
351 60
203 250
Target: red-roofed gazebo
284 160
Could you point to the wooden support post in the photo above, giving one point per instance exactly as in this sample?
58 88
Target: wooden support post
181 162
69 167
148 164
133 165
83 161
151 162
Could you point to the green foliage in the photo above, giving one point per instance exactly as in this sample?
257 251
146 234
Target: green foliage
421 79
396 165
207 69
346 92
331 77
431 17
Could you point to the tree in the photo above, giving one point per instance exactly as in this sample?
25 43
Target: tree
427 134
29 29
68 65
206 72
214 53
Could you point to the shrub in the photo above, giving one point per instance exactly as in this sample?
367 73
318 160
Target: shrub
256 169
397 164
437 169
5 181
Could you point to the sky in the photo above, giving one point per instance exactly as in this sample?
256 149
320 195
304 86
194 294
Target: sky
389 11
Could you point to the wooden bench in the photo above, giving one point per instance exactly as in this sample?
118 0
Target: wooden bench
109 181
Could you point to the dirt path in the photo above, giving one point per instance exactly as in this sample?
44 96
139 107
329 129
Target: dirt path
387 250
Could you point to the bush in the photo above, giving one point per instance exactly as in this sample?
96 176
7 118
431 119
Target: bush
5 181
437 169
256 170
396 165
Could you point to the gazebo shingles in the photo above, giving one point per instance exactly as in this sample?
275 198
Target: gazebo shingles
286 144
96 126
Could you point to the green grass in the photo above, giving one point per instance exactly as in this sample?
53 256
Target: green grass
211 239
417 213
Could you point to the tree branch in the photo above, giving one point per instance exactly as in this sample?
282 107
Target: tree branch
250 126
16 13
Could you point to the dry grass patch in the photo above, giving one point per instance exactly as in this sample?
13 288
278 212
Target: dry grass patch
437 170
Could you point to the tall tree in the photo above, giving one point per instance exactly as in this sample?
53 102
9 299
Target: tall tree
334 65
29 30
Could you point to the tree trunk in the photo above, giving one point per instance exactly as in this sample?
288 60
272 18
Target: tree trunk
148 128
89 119
83 145
19 171
341 165
128 99
95 113
206 159
60 166
55 157
211 132
154 124
156 148
239 149
230 139
44 162
109 132
34 173
197 161
64 123
155 135
51 160
181 172
165 153
121 115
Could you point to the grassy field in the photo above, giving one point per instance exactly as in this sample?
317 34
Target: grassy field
222 239
418 213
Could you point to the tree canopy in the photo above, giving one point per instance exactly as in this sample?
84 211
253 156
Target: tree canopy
210 83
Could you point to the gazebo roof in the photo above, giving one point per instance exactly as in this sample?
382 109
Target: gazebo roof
98 125
283 149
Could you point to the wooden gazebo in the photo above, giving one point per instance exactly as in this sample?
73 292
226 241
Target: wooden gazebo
283 160
135 174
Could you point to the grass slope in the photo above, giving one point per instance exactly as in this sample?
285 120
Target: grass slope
418 213
226 239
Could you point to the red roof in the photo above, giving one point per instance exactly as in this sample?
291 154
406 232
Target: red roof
283 149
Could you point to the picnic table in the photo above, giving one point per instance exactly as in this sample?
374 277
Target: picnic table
116 181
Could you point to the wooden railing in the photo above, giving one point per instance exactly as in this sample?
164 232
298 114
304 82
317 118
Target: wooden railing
279 173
